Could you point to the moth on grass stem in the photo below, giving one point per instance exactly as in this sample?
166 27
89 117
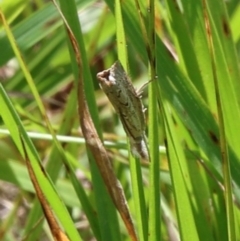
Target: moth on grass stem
128 105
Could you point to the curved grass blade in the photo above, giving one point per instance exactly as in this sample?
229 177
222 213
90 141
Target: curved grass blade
94 143
14 125
56 231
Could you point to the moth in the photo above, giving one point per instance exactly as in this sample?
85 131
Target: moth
128 105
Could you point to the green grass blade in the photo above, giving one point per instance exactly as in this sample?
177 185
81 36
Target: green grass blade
139 199
187 226
223 140
154 194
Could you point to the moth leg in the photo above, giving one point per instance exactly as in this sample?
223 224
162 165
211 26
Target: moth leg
140 90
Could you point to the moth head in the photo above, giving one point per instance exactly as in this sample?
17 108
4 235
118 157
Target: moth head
106 77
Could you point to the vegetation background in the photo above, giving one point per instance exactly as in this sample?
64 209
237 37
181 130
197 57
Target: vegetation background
191 188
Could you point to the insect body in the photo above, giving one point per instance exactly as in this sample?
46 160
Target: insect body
127 103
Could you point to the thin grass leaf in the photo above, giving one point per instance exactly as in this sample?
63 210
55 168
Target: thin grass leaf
121 40
154 194
139 199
